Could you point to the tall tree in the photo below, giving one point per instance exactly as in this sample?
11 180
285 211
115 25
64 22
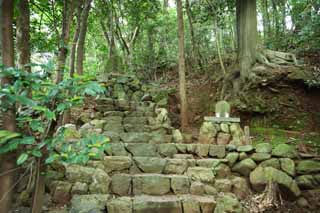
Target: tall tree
23 37
82 36
182 69
68 7
246 35
9 119
75 37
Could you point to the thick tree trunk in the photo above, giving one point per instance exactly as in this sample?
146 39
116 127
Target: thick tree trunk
246 35
23 37
9 122
195 48
68 7
82 36
75 38
182 69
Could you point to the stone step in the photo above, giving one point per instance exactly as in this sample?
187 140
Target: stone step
167 150
143 204
139 165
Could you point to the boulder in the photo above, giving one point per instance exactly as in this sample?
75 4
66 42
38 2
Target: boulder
121 204
116 163
79 188
121 184
142 150
150 164
308 181
76 173
263 148
287 165
180 184
61 192
207 133
285 151
232 158
135 137
260 156
177 136
308 167
224 127
197 188
218 151
245 148
168 204
205 175
176 166
240 187
228 203
223 185
167 150
263 175
244 167
202 150
273 162
150 184
223 138
89 203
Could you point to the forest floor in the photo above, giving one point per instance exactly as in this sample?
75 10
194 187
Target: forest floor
281 107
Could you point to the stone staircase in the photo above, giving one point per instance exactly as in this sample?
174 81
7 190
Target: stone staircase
144 169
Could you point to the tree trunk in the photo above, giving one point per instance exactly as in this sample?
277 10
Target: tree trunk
68 7
182 68
75 38
9 122
195 49
217 39
246 35
23 37
82 36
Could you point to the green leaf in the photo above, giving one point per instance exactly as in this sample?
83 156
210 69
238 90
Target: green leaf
22 158
52 158
27 140
36 153
7 135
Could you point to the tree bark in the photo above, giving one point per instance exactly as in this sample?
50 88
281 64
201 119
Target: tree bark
182 69
23 37
247 35
9 122
75 38
82 37
68 7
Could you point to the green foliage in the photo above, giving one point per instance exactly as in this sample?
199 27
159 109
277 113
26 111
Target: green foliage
41 103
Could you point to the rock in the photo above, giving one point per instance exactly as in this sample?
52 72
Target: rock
224 127
232 158
113 124
201 174
187 138
207 133
143 204
114 136
207 204
302 202
260 156
79 188
221 171
61 192
243 156
100 182
176 166
135 137
223 185
308 167
191 206
182 148
218 151
197 188
236 130
76 173
245 148
263 148
208 163
183 156
121 184
223 138
273 162
202 150
142 150
240 187
308 181
150 164
98 123
285 151
151 184
70 132
89 203
231 148
167 150
117 149
177 136
263 175
116 163
121 204
210 190
287 165
180 184
244 167
228 203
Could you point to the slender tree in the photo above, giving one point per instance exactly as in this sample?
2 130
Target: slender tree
9 120
182 69
82 36
246 35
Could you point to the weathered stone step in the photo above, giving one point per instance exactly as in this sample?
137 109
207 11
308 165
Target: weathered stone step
167 150
143 204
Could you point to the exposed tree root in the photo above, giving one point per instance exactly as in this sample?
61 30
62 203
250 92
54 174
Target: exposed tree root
276 59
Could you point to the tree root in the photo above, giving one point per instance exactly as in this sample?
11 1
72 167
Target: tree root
276 59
